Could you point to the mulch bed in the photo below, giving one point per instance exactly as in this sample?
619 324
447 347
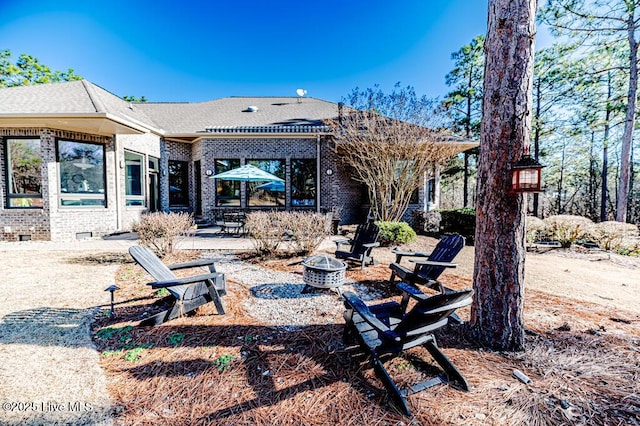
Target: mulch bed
583 361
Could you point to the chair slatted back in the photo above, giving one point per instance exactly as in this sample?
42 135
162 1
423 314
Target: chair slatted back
160 272
366 233
433 310
445 251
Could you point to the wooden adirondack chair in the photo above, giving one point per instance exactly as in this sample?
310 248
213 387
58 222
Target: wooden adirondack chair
188 293
362 243
388 329
428 267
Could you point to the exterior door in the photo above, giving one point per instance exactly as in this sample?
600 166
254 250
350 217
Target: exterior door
154 184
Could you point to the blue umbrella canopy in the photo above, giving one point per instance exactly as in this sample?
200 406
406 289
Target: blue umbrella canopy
275 186
247 173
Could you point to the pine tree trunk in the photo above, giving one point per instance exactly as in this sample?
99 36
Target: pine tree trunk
536 145
605 156
629 122
497 311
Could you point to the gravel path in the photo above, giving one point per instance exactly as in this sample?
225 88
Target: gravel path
49 370
278 296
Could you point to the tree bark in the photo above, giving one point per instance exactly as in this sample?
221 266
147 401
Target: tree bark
497 310
465 190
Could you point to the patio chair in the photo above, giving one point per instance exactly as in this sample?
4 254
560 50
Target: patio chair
428 267
362 243
187 293
387 330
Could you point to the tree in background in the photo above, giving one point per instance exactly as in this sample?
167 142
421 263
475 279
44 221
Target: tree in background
28 70
497 309
614 23
553 85
135 99
390 141
464 102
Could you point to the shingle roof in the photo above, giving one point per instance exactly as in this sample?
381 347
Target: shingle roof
234 112
83 97
72 97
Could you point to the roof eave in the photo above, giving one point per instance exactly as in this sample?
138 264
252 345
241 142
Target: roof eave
104 124
194 137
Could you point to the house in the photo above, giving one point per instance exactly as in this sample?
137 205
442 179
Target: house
77 161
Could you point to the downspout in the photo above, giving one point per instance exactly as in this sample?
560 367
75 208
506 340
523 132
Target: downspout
425 191
318 171
436 188
117 179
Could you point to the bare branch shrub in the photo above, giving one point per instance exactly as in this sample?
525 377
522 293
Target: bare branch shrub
161 231
305 229
389 142
265 232
535 229
610 235
567 229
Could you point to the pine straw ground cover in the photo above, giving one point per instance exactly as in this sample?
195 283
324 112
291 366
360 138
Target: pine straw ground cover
582 358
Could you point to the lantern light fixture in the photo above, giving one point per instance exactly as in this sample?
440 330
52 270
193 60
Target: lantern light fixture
526 174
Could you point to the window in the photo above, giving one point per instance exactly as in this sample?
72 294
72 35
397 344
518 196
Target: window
134 179
267 193
303 183
82 174
227 191
431 191
153 185
178 183
24 173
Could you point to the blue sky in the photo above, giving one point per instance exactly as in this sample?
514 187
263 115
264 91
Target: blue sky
196 51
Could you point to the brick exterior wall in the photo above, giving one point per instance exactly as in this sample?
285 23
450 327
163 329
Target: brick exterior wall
245 149
176 151
336 190
33 223
53 221
146 145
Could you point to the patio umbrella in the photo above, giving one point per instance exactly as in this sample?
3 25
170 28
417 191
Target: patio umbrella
247 173
275 186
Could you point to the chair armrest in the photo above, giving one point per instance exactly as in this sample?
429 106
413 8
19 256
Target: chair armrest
195 263
432 263
186 280
401 253
354 302
342 242
371 245
411 290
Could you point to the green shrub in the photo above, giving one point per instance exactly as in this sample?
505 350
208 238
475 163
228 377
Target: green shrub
535 229
395 233
459 221
567 229
610 235
161 231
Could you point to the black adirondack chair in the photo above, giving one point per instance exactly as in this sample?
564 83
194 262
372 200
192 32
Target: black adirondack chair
188 293
362 243
388 329
428 267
